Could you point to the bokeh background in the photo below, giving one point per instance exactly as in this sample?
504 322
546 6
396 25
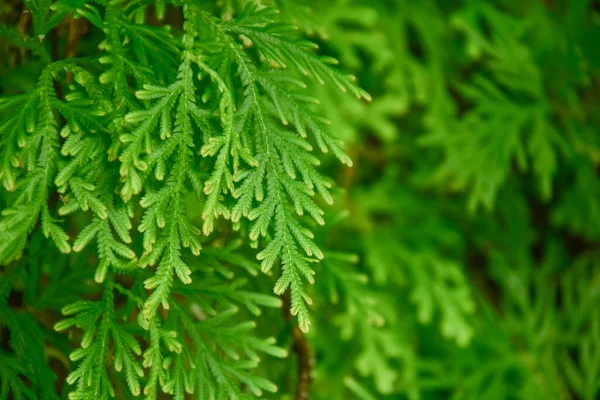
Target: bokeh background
462 255
472 212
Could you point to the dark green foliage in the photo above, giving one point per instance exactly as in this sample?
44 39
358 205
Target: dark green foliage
474 202
164 168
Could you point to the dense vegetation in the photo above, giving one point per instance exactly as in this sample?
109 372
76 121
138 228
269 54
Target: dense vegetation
300 199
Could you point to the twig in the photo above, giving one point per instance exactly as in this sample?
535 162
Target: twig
77 27
22 27
302 349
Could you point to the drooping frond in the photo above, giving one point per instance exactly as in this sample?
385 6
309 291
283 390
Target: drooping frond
281 185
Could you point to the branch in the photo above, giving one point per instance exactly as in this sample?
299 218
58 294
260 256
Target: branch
77 27
302 349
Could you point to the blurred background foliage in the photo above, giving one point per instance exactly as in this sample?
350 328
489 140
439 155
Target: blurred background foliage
473 208
462 253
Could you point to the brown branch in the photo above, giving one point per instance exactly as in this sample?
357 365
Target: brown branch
22 27
77 27
302 350
24 21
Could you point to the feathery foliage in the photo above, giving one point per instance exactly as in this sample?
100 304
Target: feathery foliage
134 127
166 165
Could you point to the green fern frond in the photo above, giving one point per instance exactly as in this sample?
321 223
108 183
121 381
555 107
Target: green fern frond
100 329
267 193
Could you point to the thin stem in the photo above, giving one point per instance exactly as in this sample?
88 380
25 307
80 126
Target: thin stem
302 349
